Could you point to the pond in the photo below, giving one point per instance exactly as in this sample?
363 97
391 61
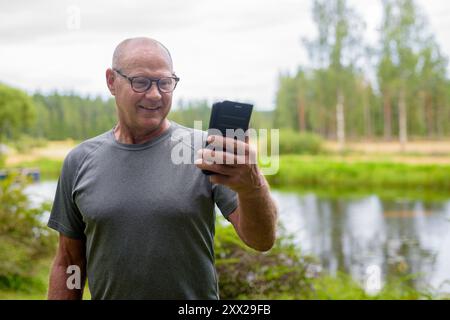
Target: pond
356 235
360 234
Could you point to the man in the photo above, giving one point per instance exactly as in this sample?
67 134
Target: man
134 223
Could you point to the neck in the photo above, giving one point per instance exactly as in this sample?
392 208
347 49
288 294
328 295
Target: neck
124 134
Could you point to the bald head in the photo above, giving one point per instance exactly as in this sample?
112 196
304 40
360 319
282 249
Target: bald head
127 48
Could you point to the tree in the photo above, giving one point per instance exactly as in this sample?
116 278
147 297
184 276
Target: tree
285 116
411 70
17 111
336 50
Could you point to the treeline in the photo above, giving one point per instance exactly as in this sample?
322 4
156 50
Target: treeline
395 90
59 116
71 116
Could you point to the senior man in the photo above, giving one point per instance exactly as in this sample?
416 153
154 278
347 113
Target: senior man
131 221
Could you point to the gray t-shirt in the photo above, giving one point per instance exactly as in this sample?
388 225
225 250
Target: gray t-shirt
147 221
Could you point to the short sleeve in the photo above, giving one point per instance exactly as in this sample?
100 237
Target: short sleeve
225 198
65 216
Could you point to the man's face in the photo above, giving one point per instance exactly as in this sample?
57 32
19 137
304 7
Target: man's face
141 112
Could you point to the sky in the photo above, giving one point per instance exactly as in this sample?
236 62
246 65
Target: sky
232 49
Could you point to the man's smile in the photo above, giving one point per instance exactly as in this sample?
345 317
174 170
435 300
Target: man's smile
149 108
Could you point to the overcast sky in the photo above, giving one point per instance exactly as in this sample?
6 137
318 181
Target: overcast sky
232 49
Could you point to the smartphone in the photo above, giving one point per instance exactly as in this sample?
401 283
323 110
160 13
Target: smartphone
228 115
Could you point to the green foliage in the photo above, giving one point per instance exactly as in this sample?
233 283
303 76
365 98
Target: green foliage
26 143
292 142
72 116
24 239
246 274
17 111
342 287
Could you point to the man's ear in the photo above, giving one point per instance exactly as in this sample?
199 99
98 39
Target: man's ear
110 78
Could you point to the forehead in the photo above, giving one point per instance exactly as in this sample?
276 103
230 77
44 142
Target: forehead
145 58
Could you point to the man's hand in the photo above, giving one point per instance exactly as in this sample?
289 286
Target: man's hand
234 163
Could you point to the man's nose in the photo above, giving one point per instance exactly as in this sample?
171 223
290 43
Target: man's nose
153 93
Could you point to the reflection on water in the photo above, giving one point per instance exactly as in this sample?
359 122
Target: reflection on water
41 192
355 235
400 237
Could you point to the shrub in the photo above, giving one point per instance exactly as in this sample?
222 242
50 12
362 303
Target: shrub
25 143
293 142
246 274
24 239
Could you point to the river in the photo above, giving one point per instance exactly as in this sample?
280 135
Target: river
356 235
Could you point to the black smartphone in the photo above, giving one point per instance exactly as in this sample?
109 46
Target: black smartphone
228 115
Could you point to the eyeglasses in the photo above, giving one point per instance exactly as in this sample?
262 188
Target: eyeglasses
142 84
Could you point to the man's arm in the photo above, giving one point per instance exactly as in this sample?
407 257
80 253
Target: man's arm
255 218
71 252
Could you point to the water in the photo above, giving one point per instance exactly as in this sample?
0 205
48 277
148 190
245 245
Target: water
355 235
41 192
358 236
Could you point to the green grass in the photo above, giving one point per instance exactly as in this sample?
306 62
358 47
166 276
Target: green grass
341 286
376 176
50 169
385 194
319 171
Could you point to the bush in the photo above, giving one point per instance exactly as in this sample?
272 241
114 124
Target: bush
281 273
293 142
26 143
24 239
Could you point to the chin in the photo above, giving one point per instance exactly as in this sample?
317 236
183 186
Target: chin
151 123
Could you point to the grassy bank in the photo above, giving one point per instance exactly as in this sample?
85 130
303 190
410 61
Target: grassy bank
50 169
332 174
322 171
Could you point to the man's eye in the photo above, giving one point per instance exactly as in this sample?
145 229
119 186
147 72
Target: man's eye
165 82
140 82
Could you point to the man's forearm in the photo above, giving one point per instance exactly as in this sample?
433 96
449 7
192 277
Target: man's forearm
58 288
258 217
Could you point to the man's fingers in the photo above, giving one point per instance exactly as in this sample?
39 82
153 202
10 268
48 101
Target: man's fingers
217 168
220 179
230 145
220 157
